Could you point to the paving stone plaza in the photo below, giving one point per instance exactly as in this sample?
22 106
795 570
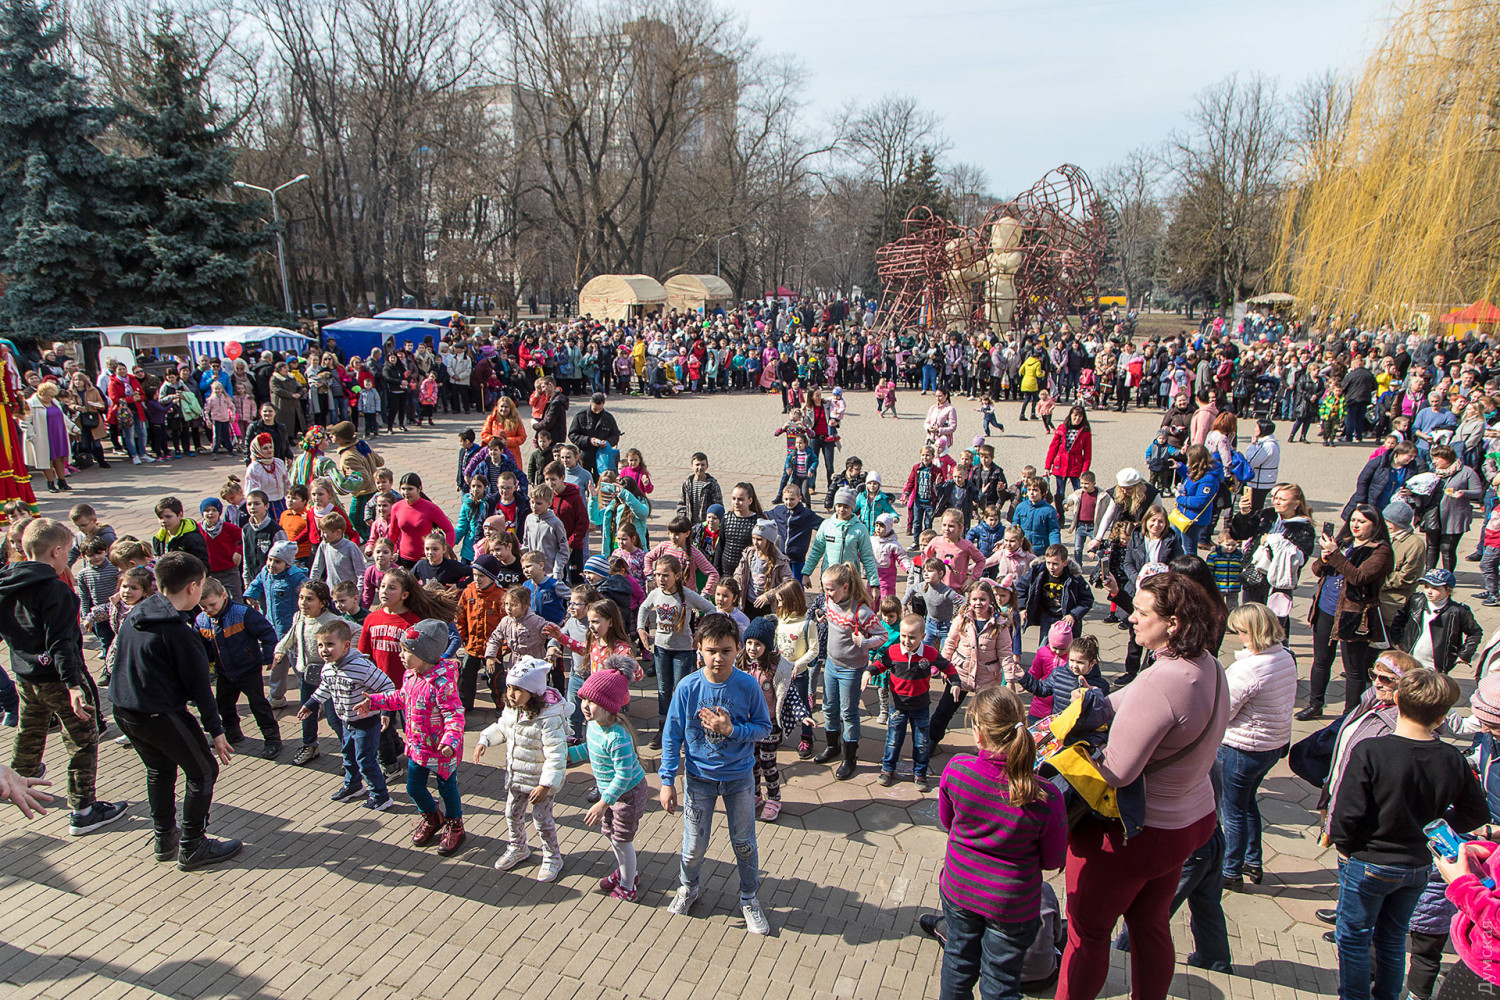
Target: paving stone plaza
331 902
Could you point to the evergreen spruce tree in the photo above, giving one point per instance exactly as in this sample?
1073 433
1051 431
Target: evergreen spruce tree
61 201
919 185
191 253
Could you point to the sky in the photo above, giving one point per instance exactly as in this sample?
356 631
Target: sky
1025 85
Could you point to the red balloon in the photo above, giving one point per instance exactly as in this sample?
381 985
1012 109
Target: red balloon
233 350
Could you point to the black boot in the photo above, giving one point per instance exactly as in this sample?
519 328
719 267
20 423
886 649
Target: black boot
1314 710
831 751
206 851
166 844
846 769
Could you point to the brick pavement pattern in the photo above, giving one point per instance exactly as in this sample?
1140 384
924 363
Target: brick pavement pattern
330 902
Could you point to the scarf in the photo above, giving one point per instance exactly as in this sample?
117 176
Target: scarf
1450 470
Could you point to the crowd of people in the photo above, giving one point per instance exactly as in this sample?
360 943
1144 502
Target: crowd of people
321 582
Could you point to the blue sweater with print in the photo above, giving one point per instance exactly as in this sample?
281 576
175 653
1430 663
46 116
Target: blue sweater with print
710 756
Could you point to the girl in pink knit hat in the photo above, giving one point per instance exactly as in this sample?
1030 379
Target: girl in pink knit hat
609 745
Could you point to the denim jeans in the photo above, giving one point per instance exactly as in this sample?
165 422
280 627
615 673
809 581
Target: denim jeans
841 700
921 517
929 378
1239 810
1193 533
895 736
575 705
698 799
934 632
310 724
134 439
1082 534
361 753
416 787
984 952
1375 905
672 668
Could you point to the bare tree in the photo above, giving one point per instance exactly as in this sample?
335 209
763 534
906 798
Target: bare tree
1136 220
881 138
1227 175
968 189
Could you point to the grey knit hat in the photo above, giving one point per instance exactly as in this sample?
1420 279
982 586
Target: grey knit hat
1398 513
427 640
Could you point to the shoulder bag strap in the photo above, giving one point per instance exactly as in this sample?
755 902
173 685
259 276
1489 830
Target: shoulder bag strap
1157 765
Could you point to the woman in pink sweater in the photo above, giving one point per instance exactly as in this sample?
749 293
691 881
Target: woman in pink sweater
1476 925
1166 728
412 519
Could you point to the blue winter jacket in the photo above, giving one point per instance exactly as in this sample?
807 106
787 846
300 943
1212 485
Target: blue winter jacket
239 642
1039 523
986 538
278 595
1195 498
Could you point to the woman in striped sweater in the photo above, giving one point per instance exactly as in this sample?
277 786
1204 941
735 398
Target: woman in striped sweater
1004 827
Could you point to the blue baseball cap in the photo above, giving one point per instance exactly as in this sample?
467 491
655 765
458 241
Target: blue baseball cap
1440 577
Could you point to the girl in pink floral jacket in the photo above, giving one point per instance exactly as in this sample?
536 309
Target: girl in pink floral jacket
434 731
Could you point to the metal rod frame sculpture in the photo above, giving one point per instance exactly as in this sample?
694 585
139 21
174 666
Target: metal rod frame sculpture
1030 260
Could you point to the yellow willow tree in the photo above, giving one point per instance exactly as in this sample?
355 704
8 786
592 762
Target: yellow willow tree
1396 210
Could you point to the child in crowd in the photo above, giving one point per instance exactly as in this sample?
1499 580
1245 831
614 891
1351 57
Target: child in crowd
259 532
981 645
964 559
908 665
520 633
609 747
177 533
545 534
570 677
240 644
225 545
1058 685
853 478
428 698
853 631
136 584
1012 557
534 730
481 607
380 524
1441 633
338 559
1037 517
1084 503
1054 589
346 602
267 473
919 497
346 681
473 510
727 601
1050 657
634 474
382 558
438 563
891 557
986 410
1391 787
959 494
298 650
98 580
662 623
716 716
296 521
939 601
548 597
787 708
890 620
1225 560
1005 827
1045 404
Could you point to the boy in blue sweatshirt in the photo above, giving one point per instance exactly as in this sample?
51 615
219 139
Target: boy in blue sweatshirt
240 643
275 589
717 716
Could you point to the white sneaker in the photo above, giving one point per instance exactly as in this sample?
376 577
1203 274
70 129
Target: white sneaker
135 460
755 917
513 856
552 866
147 459
683 901
278 702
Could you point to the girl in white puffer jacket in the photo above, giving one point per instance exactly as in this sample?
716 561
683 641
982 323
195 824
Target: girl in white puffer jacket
534 729
1262 694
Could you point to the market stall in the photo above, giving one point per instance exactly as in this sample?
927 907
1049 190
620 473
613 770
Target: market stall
361 335
242 341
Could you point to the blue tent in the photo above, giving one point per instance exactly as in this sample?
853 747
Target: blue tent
442 317
360 335
212 340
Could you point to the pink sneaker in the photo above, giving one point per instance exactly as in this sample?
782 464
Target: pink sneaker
771 811
610 882
626 895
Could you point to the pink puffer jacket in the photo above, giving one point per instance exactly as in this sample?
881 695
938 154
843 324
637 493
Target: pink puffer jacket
434 716
1475 923
981 660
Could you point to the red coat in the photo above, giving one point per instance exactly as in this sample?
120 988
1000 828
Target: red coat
1065 461
117 396
573 512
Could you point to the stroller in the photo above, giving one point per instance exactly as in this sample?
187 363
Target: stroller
1267 391
1088 391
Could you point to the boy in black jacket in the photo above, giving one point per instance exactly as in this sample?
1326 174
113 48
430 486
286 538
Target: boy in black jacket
160 666
1440 632
39 622
177 533
240 644
1053 589
1391 787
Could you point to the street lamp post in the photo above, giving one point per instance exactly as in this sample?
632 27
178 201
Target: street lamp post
718 242
286 285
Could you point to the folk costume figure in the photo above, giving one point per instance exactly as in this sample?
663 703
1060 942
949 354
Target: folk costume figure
15 479
312 463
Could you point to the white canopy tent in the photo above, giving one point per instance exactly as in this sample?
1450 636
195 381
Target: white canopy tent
212 340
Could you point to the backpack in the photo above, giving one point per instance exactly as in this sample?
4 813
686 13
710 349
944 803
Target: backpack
1239 468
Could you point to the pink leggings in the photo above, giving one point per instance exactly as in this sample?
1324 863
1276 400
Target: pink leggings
1109 877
